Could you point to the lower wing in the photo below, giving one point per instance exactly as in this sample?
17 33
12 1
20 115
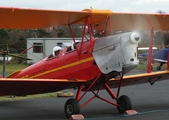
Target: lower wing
140 78
15 86
129 80
11 86
160 60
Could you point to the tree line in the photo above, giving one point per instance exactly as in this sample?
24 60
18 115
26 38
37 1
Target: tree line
16 39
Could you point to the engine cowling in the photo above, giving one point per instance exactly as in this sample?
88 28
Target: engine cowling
117 52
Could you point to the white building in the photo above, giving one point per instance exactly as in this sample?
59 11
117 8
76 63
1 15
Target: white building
39 48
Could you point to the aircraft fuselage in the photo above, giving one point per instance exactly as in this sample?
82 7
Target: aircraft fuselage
88 60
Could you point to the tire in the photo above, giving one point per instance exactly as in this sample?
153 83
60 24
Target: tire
125 104
158 68
71 107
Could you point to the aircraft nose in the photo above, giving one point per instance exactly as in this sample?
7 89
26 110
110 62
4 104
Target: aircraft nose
135 38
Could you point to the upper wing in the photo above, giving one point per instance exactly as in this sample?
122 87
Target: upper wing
139 21
20 18
12 86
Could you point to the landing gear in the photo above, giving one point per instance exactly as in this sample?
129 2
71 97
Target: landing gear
158 68
161 64
122 103
125 104
72 107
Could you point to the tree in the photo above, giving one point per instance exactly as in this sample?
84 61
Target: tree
42 33
144 38
60 33
3 36
63 31
159 39
166 38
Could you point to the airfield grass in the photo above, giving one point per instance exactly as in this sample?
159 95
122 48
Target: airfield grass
14 98
143 67
10 68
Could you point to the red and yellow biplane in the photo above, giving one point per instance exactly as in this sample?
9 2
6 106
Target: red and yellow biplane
93 64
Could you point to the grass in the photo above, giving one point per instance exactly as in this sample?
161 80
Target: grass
13 98
10 68
144 66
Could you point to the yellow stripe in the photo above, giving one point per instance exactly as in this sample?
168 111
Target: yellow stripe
63 67
14 73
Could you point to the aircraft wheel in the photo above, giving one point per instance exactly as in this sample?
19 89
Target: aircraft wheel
125 104
71 107
158 68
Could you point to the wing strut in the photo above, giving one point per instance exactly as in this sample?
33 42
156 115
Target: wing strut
168 59
87 28
108 26
4 63
150 50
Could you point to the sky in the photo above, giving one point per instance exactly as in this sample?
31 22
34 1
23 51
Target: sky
141 6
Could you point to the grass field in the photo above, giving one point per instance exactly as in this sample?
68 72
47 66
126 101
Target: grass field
144 67
10 68
13 98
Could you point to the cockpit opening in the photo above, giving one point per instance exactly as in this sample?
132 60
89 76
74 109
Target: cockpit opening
55 52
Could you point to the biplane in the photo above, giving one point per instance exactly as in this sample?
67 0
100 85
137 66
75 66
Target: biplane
160 56
93 64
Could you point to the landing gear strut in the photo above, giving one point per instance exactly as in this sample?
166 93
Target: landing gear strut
159 67
123 103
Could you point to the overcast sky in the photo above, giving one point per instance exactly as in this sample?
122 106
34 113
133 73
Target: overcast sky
150 6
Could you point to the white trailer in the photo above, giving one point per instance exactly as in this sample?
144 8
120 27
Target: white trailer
39 48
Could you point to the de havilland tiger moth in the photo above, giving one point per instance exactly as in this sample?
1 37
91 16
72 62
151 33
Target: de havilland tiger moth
93 64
